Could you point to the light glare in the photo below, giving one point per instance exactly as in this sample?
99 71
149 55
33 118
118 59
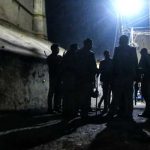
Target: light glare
129 7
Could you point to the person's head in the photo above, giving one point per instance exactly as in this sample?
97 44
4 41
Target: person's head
144 51
87 44
106 54
73 47
123 41
55 48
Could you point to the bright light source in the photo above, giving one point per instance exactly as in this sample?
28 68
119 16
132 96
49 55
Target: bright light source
128 7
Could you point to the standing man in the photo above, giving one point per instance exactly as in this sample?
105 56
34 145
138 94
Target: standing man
105 72
125 64
144 65
70 103
86 71
54 95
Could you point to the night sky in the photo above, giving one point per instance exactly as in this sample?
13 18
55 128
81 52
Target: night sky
72 21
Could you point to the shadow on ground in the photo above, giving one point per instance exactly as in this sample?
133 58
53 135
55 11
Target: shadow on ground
21 131
123 135
26 130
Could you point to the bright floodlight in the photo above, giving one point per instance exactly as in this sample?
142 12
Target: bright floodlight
128 7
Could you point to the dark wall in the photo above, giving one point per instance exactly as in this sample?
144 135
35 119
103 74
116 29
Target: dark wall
23 82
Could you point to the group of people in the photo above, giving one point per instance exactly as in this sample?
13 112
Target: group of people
144 72
72 80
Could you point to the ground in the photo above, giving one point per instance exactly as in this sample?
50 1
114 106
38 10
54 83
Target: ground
49 132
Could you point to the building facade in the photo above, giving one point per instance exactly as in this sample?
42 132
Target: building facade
24 80
28 15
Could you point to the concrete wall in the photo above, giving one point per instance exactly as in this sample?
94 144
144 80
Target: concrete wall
28 4
39 19
24 78
12 11
24 82
24 14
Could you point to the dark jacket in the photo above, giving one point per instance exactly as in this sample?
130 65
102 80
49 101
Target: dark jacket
144 65
86 66
106 70
54 62
125 62
69 70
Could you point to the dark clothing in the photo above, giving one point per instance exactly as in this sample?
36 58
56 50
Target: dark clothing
106 89
86 65
124 73
86 70
84 98
70 103
106 78
69 71
54 95
144 64
122 102
136 88
145 89
54 62
125 62
106 70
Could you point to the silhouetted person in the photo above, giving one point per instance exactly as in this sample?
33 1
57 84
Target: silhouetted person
105 70
144 64
124 73
136 88
86 71
54 95
70 104
136 85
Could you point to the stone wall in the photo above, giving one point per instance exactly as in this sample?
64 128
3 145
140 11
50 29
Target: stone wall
13 12
28 15
39 18
27 4
24 82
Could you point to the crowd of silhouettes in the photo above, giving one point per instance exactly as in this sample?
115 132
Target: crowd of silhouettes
72 80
